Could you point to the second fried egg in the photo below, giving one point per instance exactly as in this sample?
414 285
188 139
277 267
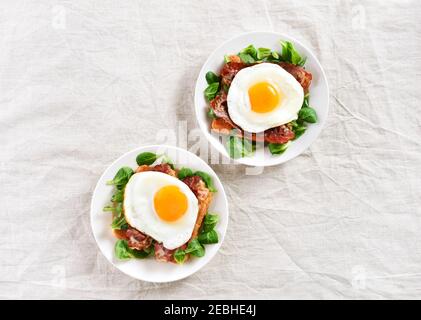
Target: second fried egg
264 96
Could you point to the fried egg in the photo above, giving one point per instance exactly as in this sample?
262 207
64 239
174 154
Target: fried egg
264 96
162 207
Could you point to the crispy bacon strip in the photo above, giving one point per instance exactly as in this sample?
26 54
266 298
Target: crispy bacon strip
166 255
164 168
230 69
198 186
163 254
135 239
299 73
281 134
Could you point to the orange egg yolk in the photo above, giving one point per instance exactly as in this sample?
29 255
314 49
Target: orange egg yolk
170 203
264 97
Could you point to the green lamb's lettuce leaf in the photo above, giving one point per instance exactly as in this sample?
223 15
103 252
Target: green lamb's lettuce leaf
291 55
307 114
180 256
211 91
119 220
116 208
184 173
121 178
209 222
298 128
246 58
118 196
108 209
142 254
211 113
207 179
195 248
238 147
278 148
167 160
211 77
146 158
123 252
119 223
306 101
251 51
263 53
209 237
302 62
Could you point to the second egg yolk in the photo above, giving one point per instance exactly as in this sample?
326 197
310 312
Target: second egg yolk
264 97
170 203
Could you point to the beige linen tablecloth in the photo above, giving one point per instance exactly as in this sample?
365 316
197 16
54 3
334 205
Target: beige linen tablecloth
82 82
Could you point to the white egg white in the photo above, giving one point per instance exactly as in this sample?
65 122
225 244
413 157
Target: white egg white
140 213
239 107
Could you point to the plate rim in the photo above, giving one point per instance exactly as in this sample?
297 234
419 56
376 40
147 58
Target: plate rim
206 131
177 149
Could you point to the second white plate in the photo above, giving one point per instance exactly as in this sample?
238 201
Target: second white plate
149 269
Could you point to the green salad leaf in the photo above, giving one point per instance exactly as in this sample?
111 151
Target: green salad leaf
108 209
238 147
211 114
119 223
251 51
209 237
180 256
116 208
195 248
211 91
298 128
307 114
306 101
209 222
275 55
263 53
291 55
184 173
118 196
146 158
121 178
207 179
278 148
142 254
123 252
167 160
211 77
246 58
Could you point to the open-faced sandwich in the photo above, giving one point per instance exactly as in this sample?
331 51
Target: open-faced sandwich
260 96
161 211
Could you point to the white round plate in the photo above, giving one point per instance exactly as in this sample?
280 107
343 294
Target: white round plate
319 95
149 269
